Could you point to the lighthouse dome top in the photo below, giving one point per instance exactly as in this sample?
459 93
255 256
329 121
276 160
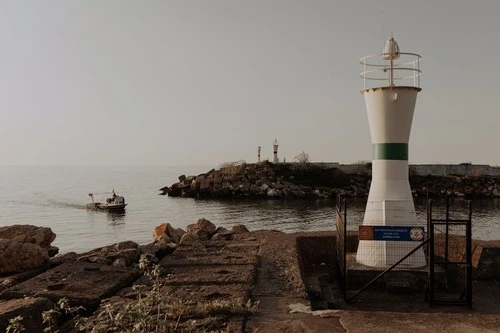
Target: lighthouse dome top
391 68
391 49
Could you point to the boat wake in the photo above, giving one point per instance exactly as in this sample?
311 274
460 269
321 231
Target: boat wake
66 204
48 203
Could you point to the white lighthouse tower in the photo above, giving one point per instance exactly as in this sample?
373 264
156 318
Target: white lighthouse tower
390 108
258 154
275 151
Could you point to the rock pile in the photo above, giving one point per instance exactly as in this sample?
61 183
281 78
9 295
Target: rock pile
167 236
261 181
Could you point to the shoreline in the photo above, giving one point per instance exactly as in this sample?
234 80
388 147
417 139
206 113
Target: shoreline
262 266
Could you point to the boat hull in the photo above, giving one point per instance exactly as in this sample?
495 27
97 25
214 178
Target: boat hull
108 207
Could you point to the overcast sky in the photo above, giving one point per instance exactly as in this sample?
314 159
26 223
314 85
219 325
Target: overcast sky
205 82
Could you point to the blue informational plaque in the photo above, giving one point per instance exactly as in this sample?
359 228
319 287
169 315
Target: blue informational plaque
391 233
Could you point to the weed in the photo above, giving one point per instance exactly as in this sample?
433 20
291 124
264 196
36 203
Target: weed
15 325
232 168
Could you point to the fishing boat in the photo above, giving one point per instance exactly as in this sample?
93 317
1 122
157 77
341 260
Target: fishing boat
112 203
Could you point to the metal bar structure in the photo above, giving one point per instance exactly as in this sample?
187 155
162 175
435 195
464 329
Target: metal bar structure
447 228
453 268
450 223
376 70
431 253
468 253
448 240
345 238
341 237
375 279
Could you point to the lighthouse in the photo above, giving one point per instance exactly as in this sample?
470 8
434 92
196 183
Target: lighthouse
258 154
390 229
275 151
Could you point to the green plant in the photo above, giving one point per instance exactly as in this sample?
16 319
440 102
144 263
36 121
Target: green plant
50 319
15 325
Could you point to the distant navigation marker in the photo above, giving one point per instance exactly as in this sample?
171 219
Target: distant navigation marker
275 151
390 109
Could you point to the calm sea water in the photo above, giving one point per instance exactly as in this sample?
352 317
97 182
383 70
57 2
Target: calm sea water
55 197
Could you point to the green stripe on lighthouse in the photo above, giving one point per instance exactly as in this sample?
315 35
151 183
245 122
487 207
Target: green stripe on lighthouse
390 151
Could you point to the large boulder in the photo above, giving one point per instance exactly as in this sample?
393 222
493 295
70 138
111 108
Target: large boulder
41 236
206 226
17 257
239 229
188 239
166 231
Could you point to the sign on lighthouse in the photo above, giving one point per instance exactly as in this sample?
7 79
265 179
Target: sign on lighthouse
390 229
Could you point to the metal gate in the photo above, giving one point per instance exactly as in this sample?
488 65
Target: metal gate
374 287
446 280
450 256
340 239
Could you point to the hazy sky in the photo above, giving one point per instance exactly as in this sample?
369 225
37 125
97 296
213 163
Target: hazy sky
204 82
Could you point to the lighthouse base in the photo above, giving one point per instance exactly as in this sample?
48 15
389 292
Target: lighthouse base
393 234
399 279
383 254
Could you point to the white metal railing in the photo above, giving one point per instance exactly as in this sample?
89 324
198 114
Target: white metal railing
376 68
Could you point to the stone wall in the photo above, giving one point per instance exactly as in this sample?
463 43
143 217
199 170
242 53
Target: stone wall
464 169
455 169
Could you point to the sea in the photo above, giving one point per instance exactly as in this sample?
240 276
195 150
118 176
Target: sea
56 197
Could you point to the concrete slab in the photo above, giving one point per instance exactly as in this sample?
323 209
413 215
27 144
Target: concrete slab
210 275
229 248
233 292
221 257
81 283
196 292
29 308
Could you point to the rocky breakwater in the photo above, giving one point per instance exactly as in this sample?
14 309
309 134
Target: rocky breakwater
268 180
308 180
199 279
456 186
